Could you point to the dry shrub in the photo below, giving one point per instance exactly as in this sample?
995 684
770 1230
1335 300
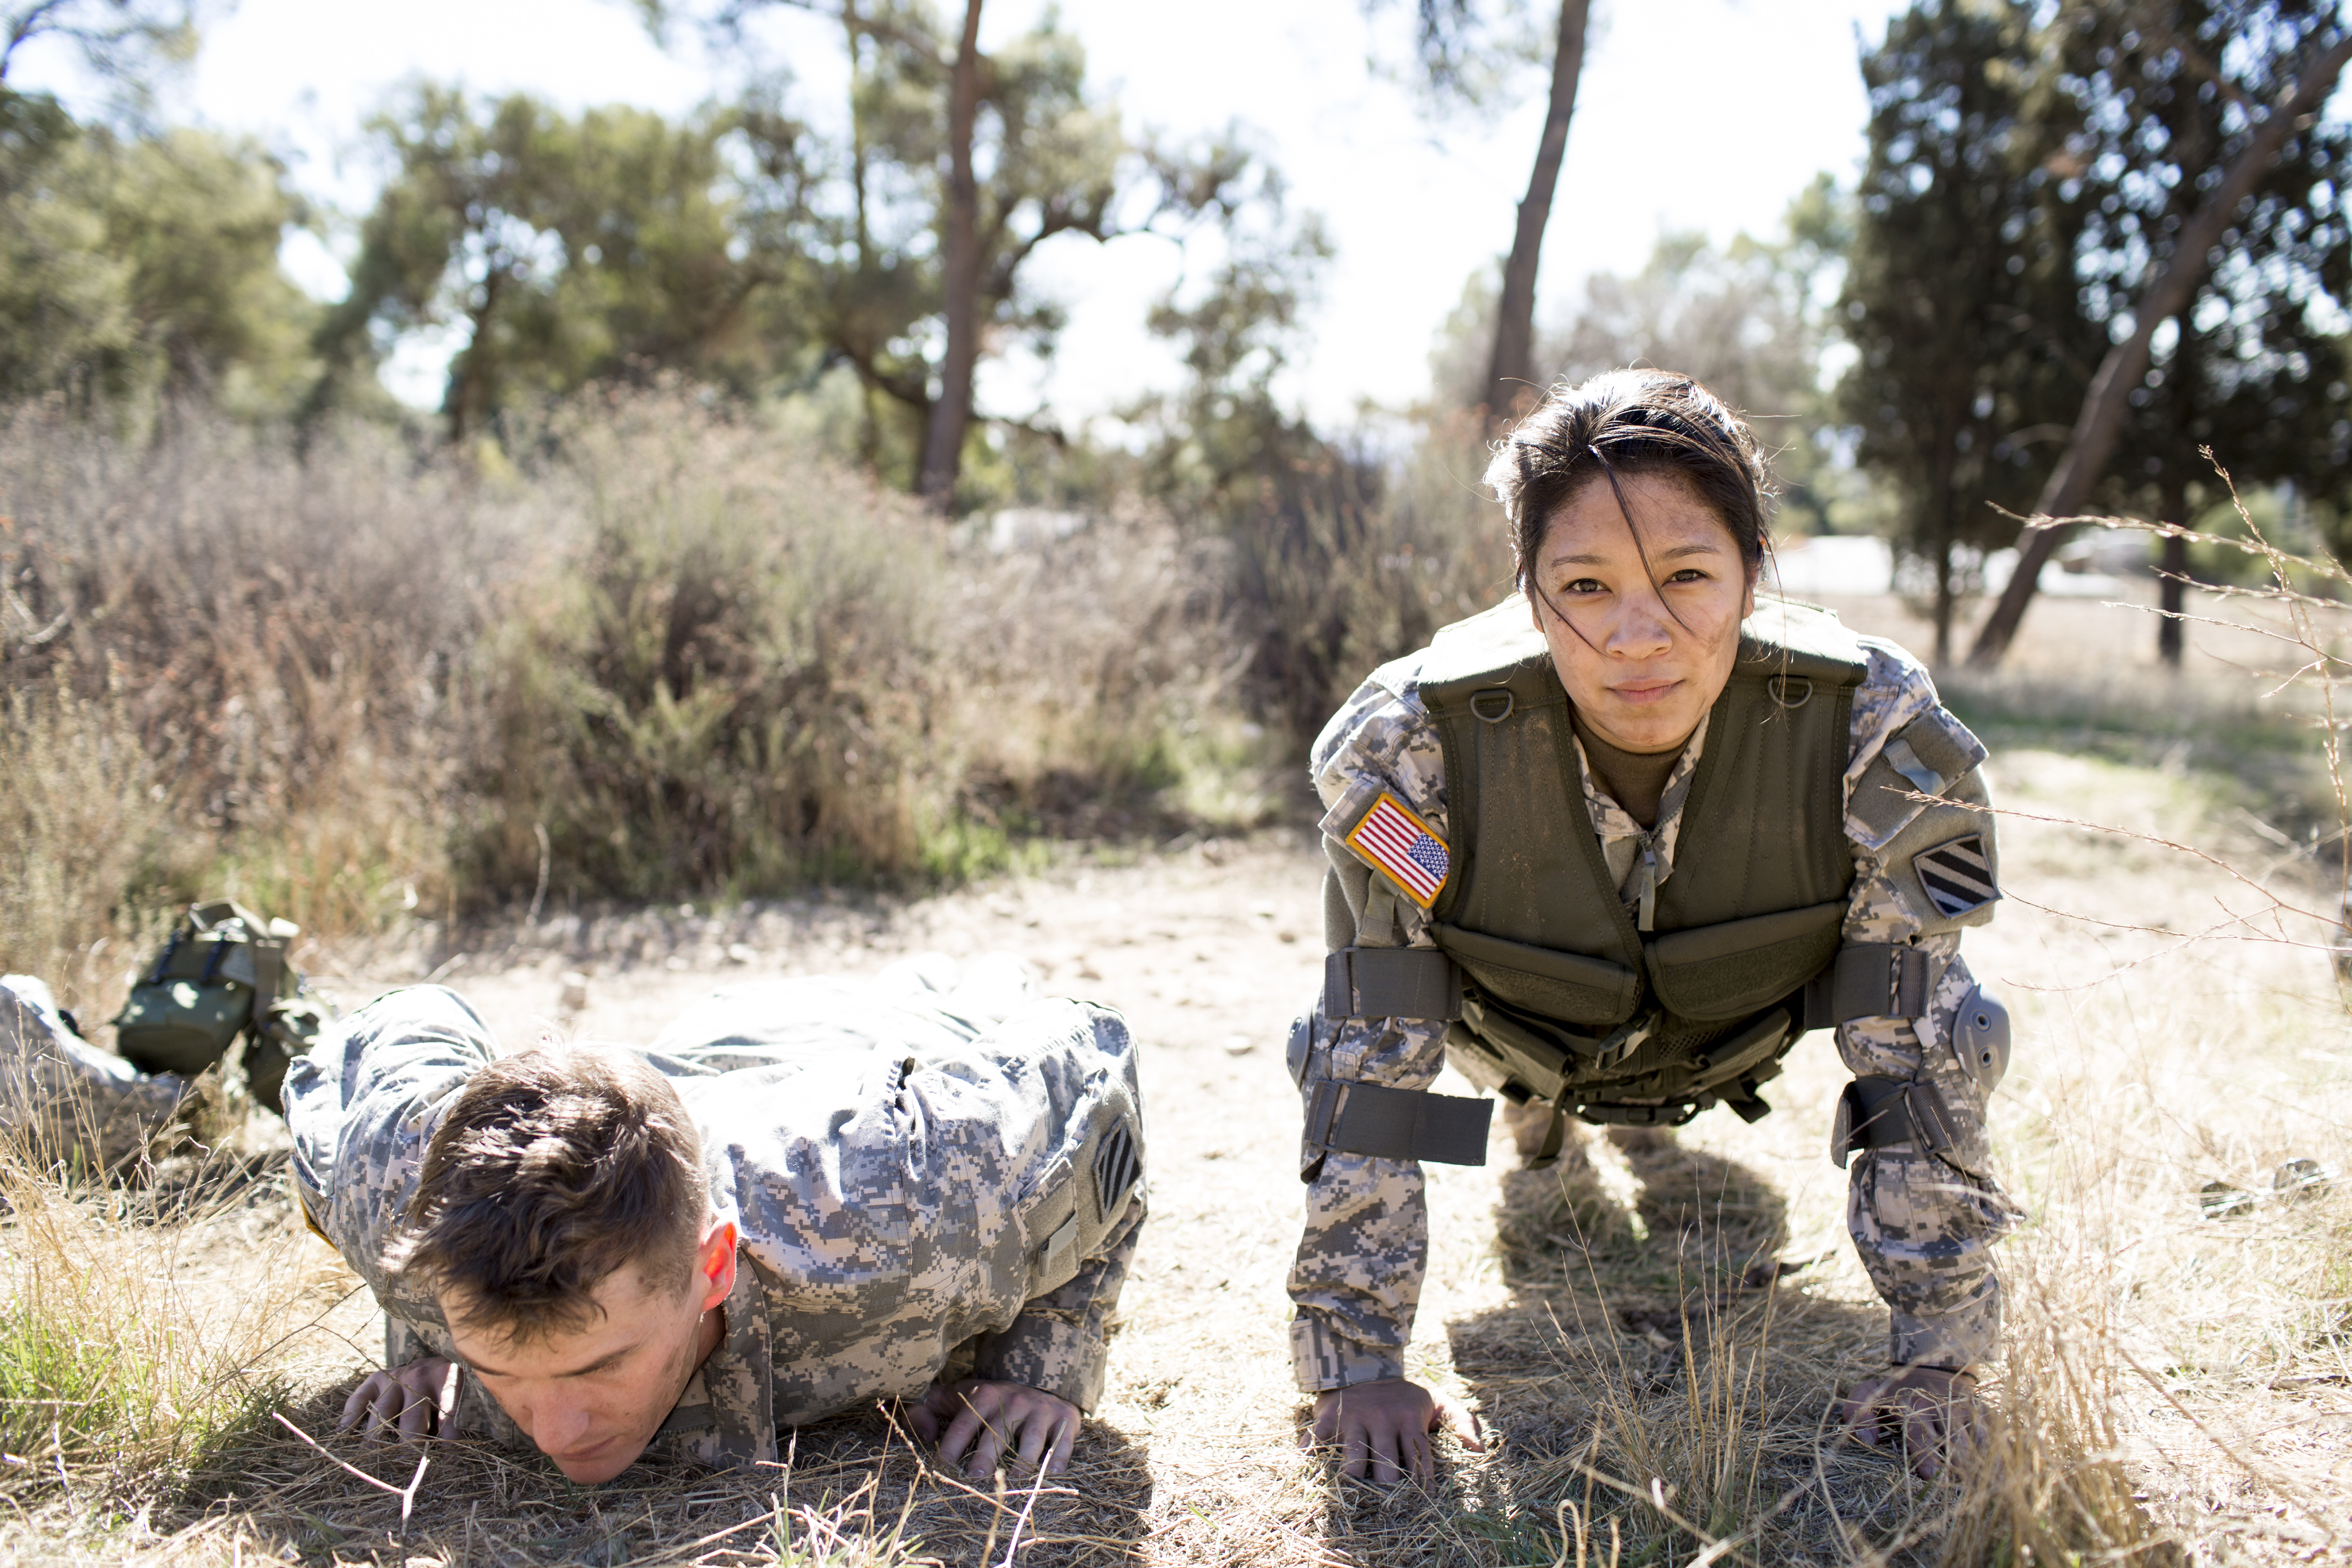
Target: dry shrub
82 825
276 632
670 652
1345 565
745 668
1102 687
728 674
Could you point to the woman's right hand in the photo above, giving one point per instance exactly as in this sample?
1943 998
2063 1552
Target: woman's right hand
415 1398
1383 1429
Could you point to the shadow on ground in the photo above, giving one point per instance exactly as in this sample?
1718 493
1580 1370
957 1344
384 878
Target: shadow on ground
1661 1371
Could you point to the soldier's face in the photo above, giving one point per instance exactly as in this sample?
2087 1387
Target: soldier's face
1644 645
592 1399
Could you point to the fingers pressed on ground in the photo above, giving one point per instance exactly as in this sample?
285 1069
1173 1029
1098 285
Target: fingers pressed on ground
391 1403
1926 1434
1467 1426
1036 1432
1419 1458
358 1402
987 1451
960 1435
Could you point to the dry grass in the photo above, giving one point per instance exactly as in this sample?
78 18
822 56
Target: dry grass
145 1324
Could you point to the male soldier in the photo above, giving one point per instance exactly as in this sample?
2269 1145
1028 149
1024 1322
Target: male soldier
804 1196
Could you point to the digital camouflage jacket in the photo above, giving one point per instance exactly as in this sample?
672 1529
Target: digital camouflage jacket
909 1177
1924 1224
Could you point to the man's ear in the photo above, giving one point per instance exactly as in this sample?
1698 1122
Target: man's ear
714 1262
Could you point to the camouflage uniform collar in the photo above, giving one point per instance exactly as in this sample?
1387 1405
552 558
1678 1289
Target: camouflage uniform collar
727 1413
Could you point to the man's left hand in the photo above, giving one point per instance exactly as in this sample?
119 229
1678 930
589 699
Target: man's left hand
994 1420
1933 1413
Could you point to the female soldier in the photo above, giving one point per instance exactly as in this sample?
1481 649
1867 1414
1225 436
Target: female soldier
1775 836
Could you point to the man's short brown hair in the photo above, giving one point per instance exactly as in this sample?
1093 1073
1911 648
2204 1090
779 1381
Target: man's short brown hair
554 1168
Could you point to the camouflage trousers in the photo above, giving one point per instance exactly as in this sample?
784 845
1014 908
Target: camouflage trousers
62 1095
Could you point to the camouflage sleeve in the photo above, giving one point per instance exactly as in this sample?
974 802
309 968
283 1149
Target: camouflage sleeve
1357 1276
1061 1341
1355 1280
362 1106
1923 1223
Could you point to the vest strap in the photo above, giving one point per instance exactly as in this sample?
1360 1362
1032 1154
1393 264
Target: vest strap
1398 1123
1879 979
1390 982
1884 1112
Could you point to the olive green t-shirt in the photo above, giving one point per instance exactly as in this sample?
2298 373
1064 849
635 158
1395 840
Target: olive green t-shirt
1634 779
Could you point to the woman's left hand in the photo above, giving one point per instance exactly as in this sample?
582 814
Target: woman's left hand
1933 1413
994 1420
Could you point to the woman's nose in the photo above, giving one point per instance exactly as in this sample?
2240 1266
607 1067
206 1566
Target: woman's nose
1640 629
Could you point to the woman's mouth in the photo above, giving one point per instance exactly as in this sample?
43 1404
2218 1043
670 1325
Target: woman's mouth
1642 693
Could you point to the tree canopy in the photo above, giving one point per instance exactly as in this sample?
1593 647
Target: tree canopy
142 267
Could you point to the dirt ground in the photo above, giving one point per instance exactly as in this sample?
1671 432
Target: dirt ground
1558 1304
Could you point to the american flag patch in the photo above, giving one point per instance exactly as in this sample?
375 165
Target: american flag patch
1401 846
1958 876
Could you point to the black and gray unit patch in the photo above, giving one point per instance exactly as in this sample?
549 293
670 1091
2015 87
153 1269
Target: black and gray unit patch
1117 1167
1957 875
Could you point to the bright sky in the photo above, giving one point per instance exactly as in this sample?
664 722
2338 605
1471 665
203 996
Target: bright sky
1691 113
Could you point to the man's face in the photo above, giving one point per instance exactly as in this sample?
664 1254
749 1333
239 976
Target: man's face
592 1399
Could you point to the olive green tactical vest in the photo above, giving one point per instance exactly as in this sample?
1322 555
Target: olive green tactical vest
1564 999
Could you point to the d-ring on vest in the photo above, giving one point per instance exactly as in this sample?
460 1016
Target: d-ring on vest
1561 997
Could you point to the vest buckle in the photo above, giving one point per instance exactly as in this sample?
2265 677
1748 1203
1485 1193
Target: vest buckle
1500 700
1790 690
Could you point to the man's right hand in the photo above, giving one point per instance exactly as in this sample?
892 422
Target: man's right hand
415 1399
1383 1429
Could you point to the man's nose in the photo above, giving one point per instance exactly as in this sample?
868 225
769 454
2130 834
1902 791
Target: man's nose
558 1423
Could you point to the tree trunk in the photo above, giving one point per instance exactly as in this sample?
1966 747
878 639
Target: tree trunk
2172 504
1511 372
473 373
1944 601
2169 639
2169 293
951 414
1948 528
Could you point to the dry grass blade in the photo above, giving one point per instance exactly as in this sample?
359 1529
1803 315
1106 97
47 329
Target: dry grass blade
407 1494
